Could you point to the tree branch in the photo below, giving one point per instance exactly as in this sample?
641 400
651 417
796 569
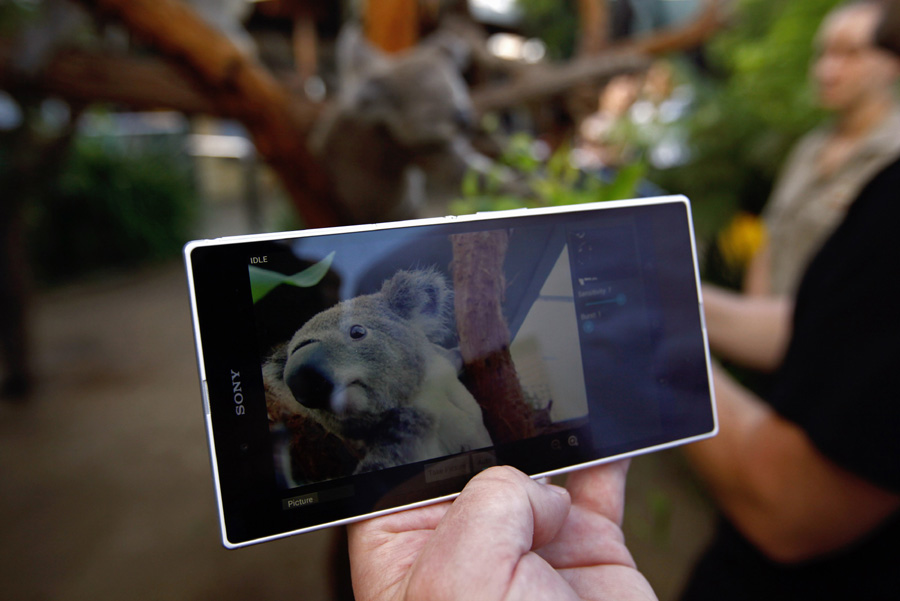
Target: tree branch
709 20
88 76
543 81
237 86
534 82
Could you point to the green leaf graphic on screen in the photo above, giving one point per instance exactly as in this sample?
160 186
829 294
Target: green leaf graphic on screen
263 281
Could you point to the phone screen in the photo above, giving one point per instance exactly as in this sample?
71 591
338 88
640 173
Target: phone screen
355 372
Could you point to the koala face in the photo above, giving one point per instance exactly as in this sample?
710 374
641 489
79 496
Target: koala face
420 97
352 363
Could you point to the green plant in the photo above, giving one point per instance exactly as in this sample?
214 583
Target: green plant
751 105
555 22
552 182
112 209
14 14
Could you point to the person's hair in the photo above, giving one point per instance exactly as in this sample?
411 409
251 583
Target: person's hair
887 35
852 3
887 31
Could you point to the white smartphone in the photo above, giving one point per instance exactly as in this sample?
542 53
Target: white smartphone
349 372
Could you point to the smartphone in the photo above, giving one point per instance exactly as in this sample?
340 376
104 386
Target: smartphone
354 371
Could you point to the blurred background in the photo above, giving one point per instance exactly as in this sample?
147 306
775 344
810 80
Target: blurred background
130 127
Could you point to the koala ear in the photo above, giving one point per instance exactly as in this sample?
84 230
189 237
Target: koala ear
452 47
422 297
356 57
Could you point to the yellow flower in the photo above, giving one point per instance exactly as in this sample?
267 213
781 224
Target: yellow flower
741 239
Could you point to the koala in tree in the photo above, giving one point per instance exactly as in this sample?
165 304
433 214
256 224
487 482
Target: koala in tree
371 370
395 139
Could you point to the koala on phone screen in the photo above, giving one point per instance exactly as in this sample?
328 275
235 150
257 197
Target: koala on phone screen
370 370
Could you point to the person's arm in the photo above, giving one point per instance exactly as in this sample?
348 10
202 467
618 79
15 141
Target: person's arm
751 331
787 498
758 278
504 537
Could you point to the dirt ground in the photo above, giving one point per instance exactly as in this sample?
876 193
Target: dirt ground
105 487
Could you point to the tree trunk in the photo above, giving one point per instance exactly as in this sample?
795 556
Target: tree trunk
593 17
593 21
392 25
484 337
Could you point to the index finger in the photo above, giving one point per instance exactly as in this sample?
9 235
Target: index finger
601 489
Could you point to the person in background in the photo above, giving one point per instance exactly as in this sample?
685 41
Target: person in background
856 81
808 480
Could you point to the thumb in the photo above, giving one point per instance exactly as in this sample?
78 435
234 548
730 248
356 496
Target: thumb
500 516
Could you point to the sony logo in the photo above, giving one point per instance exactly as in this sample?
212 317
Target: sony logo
237 392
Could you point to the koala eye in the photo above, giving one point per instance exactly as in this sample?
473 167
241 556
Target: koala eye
358 332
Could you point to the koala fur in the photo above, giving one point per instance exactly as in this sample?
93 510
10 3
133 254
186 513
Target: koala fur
395 140
370 370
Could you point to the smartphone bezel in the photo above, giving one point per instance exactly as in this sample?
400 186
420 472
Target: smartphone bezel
496 217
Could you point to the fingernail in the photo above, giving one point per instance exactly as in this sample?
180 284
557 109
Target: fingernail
558 489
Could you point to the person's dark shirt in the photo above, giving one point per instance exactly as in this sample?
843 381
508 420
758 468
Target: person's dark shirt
838 383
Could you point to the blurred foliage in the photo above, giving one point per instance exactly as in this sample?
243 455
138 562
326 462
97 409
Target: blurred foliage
555 22
16 13
752 100
552 182
111 209
751 105
656 509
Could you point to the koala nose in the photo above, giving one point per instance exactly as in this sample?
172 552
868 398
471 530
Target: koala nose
310 387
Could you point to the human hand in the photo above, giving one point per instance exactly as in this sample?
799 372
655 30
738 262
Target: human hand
504 537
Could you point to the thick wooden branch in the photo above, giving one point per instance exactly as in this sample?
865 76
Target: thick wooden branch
239 87
709 20
87 77
544 81
536 82
138 82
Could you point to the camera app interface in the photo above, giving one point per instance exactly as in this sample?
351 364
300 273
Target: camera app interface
536 345
354 372
416 348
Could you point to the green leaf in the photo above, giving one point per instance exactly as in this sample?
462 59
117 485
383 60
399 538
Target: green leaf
626 181
470 184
